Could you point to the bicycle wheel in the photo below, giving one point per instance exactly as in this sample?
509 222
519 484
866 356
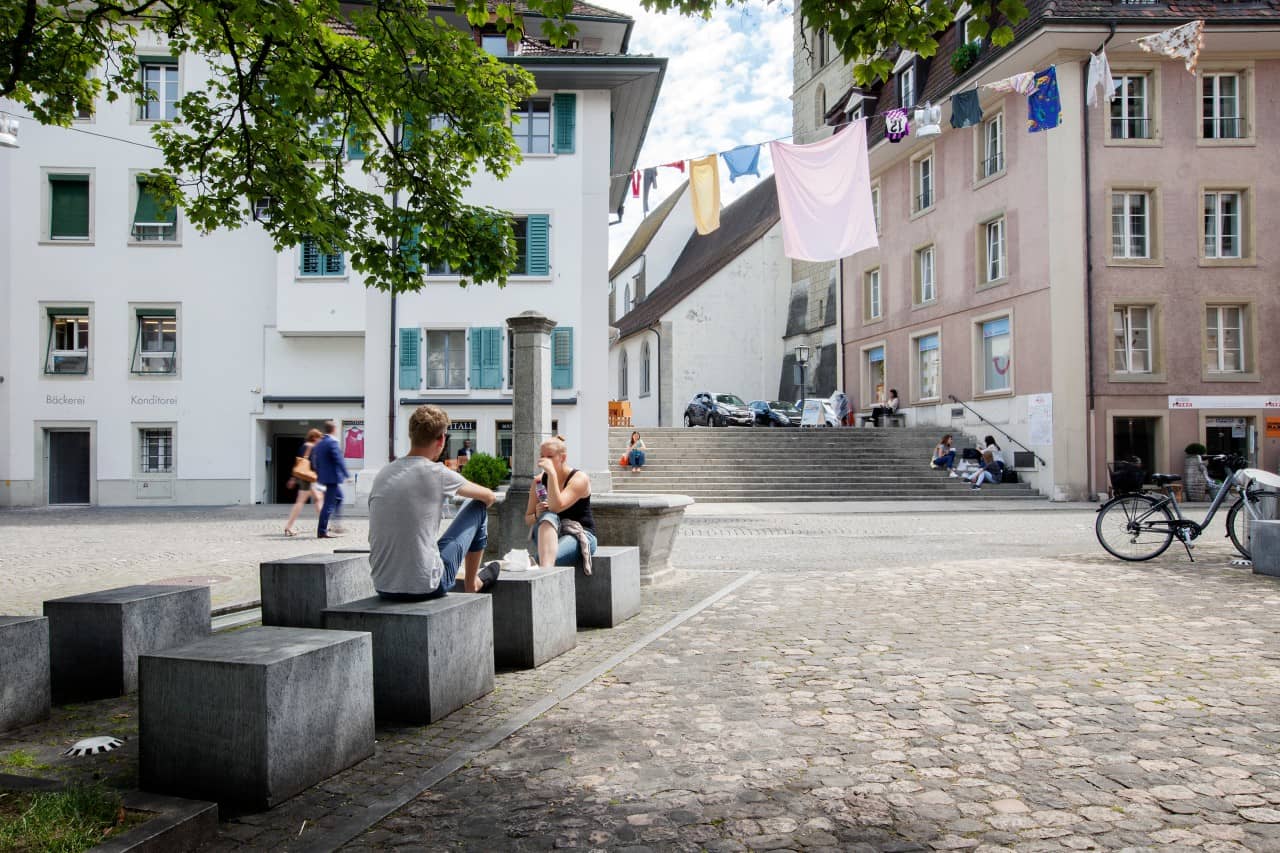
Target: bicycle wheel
1133 528
1239 522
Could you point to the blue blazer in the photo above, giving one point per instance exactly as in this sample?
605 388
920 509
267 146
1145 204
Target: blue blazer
327 460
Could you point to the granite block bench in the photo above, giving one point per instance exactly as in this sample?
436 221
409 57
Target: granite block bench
609 595
253 717
1264 546
296 591
429 657
95 639
534 616
24 670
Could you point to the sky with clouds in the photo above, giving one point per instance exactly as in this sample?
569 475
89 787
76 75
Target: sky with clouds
728 83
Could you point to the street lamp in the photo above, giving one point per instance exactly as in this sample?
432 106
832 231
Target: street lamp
802 359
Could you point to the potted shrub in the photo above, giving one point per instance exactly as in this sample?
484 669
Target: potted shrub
485 470
964 57
1194 486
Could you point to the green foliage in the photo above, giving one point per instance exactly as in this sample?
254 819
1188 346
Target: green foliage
1195 448
20 759
66 821
964 57
488 471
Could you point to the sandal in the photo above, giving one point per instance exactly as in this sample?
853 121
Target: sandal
290 532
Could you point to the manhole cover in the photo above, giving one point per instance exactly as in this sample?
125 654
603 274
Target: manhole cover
193 580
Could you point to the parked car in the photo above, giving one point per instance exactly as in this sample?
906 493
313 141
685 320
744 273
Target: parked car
715 409
774 413
828 412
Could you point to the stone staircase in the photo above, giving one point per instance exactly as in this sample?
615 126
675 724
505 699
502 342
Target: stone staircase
735 464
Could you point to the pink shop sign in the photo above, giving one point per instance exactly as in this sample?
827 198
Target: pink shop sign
1229 402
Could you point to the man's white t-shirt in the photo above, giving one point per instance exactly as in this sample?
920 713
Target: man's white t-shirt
405 507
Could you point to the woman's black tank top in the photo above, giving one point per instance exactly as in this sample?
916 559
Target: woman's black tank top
580 511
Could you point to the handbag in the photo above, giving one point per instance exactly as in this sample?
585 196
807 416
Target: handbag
302 469
624 461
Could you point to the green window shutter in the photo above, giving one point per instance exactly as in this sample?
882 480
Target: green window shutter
566 110
155 312
355 151
69 207
538 237
562 358
149 209
335 264
406 131
68 312
410 343
486 357
310 258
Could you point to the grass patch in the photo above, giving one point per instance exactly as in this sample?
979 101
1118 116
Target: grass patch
62 822
20 759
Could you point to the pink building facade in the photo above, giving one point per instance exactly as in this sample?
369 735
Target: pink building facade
1097 290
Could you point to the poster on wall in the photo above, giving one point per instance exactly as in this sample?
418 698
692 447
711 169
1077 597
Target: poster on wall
1040 419
353 439
1273 427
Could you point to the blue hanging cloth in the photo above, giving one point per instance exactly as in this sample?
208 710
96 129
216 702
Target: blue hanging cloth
743 160
1044 105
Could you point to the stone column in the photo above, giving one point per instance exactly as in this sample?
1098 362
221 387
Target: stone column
530 419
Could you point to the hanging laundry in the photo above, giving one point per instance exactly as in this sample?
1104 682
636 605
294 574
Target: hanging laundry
635 184
743 160
824 197
678 164
1044 105
1099 75
966 109
704 191
928 120
1184 42
1021 84
896 125
650 182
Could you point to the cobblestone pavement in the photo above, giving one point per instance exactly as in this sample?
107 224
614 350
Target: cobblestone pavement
946 680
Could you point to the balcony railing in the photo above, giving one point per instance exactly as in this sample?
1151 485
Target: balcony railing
1130 128
1224 128
993 165
924 200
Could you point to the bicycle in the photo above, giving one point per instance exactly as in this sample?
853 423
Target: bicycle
1137 526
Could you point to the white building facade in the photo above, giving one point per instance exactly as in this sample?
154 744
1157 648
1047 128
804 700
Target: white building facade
144 363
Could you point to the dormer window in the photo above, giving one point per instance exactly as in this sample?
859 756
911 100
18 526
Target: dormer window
907 86
495 45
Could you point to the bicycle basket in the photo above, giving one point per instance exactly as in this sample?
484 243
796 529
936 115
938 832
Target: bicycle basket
1126 477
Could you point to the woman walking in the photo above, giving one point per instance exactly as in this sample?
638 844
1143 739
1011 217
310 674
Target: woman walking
306 490
635 452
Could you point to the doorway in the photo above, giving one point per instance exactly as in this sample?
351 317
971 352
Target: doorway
284 449
1136 437
69 471
1228 435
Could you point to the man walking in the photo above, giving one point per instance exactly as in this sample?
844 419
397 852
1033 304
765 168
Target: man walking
331 472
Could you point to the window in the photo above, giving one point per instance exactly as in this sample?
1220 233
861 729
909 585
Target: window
446 358
155 349
925 290
531 125
820 106
856 112
316 262
1130 107
871 294
644 369
1222 116
495 45
996 358
1131 225
156 450
1225 339
992 146
1223 225
152 222
907 86
263 209
626 298
1131 339
923 169
875 204
970 31
68 348
821 49
622 374
928 365
69 207
532 235
160 90
992 241
875 376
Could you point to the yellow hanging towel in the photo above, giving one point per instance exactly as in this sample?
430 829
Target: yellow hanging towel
704 190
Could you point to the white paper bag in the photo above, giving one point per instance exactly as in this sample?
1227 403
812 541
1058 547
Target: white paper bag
516 560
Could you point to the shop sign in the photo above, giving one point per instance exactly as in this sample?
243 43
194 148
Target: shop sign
1238 402
1273 427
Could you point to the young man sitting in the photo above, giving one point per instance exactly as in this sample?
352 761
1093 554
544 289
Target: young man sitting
405 507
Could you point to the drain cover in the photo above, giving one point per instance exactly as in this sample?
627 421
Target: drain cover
94 745
1242 563
193 580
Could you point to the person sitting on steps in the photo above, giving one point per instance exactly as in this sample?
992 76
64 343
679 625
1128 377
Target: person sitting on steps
408 562
635 452
944 455
991 468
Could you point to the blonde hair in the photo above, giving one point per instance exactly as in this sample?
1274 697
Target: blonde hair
427 425
555 444
314 435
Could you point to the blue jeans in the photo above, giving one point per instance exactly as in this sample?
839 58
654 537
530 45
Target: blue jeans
635 458
329 509
946 460
567 548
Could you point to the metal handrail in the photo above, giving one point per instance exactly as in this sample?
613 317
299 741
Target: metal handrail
956 399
